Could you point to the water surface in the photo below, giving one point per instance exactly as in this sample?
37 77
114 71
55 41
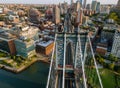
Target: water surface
33 77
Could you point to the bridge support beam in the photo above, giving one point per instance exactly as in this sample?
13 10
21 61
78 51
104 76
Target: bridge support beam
63 82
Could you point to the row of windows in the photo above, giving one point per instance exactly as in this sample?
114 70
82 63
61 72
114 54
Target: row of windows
4 46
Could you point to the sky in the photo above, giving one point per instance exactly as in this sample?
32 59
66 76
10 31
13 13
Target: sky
53 1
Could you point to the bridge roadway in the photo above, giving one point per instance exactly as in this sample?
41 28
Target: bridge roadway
67 48
69 73
69 55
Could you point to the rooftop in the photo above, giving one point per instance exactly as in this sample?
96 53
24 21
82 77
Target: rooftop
6 36
45 43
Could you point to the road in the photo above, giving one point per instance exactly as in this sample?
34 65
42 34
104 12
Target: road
60 79
69 55
69 75
69 79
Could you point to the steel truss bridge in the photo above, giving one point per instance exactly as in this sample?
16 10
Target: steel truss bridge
73 63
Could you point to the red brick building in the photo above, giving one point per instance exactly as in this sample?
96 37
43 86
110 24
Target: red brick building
45 47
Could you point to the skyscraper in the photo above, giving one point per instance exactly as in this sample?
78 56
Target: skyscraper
81 2
98 7
116 44
118 4
56 15
79 16
78 6
72 2
94 4
34 15
88 7
84 4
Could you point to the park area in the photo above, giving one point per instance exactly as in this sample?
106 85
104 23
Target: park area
109 78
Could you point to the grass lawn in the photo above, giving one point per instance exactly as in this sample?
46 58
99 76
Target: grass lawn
108 78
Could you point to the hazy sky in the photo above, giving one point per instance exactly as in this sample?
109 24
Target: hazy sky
53 1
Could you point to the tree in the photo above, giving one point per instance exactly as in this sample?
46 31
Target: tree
2 18
113 16
111 66
101 60
112 57
115 59
19 60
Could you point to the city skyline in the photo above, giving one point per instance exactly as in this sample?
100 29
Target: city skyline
53 1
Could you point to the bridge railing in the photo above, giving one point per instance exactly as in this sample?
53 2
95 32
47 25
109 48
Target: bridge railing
52 73
92 72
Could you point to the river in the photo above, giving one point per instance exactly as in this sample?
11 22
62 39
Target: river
33 77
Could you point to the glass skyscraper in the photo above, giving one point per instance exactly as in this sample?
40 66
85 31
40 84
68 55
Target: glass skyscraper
81 1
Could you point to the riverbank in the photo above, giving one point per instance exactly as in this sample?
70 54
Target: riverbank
24 65
35 76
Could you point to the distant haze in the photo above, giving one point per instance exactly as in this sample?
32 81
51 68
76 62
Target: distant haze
53 1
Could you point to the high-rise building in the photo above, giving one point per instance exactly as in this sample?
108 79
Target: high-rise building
34 15
118 4
94 5
49 13
72 2
98 7
78 6
84 4
81 2
116 9
7 42
105 9
79 16
56 14
88 7
116 44
25 43
1 10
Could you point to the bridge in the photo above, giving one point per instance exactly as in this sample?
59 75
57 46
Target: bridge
73 62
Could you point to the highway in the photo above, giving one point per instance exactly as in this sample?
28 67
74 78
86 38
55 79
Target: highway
69 79
69 75
60 74
69 55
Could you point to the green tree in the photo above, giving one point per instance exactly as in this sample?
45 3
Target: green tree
113 16
111 66
101 60
115 59
2 18
112 57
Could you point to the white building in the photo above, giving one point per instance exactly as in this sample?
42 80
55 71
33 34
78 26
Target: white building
116 44
94 5
105 9
1 10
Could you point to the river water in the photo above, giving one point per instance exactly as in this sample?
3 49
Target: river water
33 77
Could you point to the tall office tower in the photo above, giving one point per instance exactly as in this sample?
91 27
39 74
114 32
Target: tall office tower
34 15
81 2
61 9
116 44
98 7
56 14
72 2
78 6
79 16
88 7
105 9
84 4
118 4
94 4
